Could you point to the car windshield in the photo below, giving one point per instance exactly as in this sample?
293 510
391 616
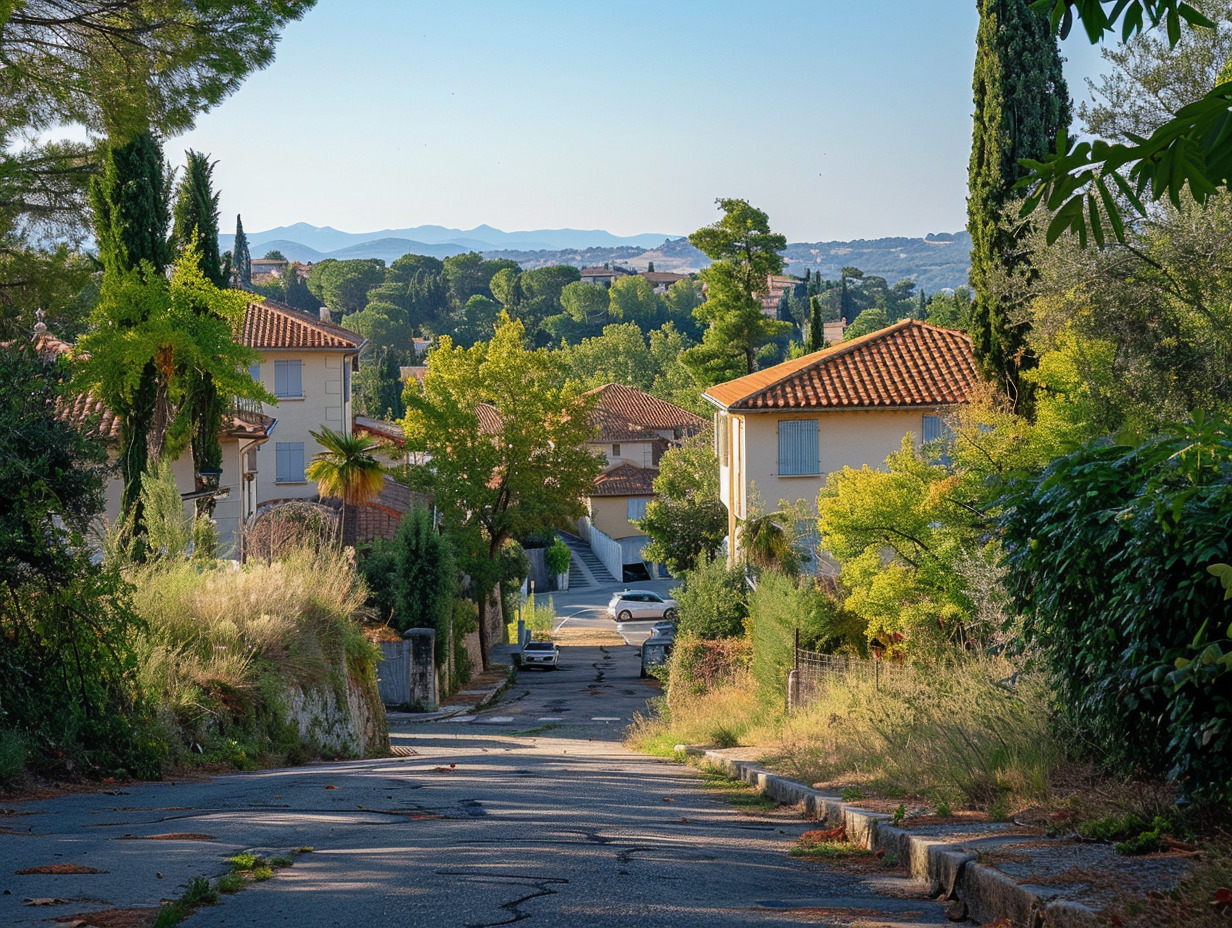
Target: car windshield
539 646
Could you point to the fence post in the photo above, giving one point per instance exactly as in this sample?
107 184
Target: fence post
795 654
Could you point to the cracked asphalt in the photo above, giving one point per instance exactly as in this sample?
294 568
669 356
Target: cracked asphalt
531 811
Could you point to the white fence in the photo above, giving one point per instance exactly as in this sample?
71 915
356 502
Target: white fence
608 551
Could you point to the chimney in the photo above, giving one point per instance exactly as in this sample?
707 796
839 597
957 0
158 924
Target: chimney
325 314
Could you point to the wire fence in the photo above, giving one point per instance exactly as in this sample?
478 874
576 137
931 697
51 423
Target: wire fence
814 672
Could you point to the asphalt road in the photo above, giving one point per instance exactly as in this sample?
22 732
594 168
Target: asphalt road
530 811
587 609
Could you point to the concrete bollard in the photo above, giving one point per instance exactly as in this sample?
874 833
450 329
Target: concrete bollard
422 647
793 689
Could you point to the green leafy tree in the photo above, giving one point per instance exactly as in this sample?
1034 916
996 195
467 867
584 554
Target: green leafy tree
348 469
743 251
66 665
619 355
685 521
868 321
180 329
633 300
541 292
275 255
378 386
344 285
713 603
524 471
426 579
950 310
294 290
1086 179
1021 104
585 304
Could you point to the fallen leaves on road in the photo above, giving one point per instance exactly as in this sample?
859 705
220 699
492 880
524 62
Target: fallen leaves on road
58 868
826 835
111 918
331 786
47 900
171 836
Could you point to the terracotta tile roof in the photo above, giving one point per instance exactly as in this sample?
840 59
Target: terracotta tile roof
91 416
379 428
626 480
663 277
907 364
272 325
632 406
490 421
615 428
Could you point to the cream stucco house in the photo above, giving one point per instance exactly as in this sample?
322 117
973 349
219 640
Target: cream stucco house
307 363
781 431
633 430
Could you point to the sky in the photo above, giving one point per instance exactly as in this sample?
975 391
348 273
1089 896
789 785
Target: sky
842 119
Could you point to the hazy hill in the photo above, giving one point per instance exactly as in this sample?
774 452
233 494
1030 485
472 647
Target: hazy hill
936 261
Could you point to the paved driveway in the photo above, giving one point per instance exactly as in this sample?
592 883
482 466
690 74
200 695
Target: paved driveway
530 811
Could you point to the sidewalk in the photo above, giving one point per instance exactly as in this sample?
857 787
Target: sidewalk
989 870
483 689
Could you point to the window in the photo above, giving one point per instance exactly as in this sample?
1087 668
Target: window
290 464
615 451
798 449
637 509
288 379
937 430
255 371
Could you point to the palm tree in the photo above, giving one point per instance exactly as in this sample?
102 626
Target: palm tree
768 542
346 469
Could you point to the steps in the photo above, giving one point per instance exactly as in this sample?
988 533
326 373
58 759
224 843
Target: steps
585 569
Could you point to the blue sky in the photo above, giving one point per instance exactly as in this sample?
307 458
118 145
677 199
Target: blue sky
840 118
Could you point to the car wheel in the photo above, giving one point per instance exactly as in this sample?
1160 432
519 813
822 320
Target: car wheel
669 615
624 616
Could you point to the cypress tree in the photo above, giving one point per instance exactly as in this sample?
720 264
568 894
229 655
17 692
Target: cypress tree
1021 103
196 224
131 217
816 327
241 258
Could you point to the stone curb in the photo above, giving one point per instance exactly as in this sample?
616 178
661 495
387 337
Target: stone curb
946 867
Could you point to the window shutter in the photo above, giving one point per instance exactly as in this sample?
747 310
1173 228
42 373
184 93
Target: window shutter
932 428
798 451
636 509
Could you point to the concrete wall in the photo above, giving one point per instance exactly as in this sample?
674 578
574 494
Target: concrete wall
607 551
407 676
637 453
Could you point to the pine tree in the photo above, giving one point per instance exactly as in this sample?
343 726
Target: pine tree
241 258
1021 103
131 217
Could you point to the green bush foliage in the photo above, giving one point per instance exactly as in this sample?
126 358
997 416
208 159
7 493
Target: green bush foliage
1109 553
713 603
781 605
68 700
557 557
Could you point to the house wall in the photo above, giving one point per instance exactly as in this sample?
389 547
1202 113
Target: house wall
323 404
637 453
610 515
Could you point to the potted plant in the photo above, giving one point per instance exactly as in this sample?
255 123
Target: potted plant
556 558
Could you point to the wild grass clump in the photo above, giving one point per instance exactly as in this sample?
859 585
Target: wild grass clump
971 731
223 644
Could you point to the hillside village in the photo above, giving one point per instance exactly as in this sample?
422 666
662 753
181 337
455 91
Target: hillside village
642 577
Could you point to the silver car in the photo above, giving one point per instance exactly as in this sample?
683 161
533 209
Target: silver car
641 605
543 654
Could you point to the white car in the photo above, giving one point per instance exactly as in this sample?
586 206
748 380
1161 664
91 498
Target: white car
543 654
641 605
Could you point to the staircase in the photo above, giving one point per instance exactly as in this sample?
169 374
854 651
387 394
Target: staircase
585 570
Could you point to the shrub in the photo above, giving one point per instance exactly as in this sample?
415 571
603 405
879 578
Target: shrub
713 602
221 645
557 557
1109 553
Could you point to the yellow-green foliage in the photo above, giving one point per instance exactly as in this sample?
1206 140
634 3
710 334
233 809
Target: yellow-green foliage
540 615
957 730
222 643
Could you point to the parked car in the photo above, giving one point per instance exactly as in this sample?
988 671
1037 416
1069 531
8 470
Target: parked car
655 652
543 654
634 605
666 629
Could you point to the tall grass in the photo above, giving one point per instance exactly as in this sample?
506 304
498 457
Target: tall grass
223 643
957 732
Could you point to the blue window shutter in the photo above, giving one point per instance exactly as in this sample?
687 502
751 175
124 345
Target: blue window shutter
288 379
798 449
289 464
932 428
296 384
636 509
255 371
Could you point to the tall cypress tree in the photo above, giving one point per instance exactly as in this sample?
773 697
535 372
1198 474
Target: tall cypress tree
241 258
1021 103
196 225
131 217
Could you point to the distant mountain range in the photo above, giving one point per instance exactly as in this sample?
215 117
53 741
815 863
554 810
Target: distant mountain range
937 261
